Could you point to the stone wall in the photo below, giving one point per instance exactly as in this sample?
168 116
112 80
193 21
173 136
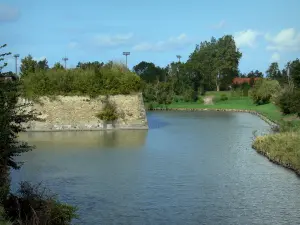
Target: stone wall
79 113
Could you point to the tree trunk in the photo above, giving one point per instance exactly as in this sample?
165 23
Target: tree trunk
218 87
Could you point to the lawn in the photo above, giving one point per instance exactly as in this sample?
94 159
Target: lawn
233 102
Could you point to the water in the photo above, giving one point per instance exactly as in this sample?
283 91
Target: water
189 168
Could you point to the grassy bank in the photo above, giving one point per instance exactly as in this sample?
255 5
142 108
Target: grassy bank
281 148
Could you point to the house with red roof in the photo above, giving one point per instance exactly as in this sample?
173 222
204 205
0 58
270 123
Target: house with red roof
240 80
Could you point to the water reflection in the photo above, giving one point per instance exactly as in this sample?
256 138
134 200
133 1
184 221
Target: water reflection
115 139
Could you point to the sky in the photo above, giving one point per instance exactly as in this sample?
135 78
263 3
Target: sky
155 31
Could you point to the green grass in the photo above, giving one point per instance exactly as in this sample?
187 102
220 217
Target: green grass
281 148
241 103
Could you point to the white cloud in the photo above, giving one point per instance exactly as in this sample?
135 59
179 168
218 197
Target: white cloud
275 57
8 13
105 40
285 40
172 43
246 38
220 25
73 44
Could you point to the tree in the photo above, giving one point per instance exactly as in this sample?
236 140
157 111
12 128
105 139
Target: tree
227 58
58 66
90 65
215 63
255 74
263 90
12 117
28 65
149 72
273 71
42 64
295 72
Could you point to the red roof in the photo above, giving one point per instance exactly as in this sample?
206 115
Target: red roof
239 80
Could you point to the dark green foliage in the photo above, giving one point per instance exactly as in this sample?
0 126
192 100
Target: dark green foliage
190 95
253 74
159 92
289 102
164 95
12 115
105 81
109 112
200 100
295 72
2 55
177 98
35 205
149 72
90 65
263 90
273 71
224 97
28 65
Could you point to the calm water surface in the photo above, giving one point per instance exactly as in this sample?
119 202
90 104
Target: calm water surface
189 168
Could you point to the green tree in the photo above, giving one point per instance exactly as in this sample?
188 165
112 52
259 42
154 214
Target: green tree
226 60
149 72
90 65
58 66
42 65
263 90
295 72
28 65
255 74
12 117
273 71
215 63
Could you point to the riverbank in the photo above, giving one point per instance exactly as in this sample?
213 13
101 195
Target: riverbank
79 113
281 148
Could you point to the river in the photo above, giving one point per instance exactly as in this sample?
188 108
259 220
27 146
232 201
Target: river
188 168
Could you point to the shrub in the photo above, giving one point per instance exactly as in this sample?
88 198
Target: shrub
200 100
108 80
190 95
289 101
178 98
263 90
35 205
109 112
224 97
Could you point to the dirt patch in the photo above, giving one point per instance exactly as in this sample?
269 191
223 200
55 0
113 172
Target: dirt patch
208 100
291 118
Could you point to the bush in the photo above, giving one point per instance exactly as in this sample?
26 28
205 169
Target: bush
108 80
263 90
289 102
109 112
224 97
190 95
178 98
200 100
35 205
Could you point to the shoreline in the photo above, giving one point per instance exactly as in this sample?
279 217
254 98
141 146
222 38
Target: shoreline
264 118
87 129
277 161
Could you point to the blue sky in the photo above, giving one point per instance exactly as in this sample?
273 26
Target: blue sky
156 30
